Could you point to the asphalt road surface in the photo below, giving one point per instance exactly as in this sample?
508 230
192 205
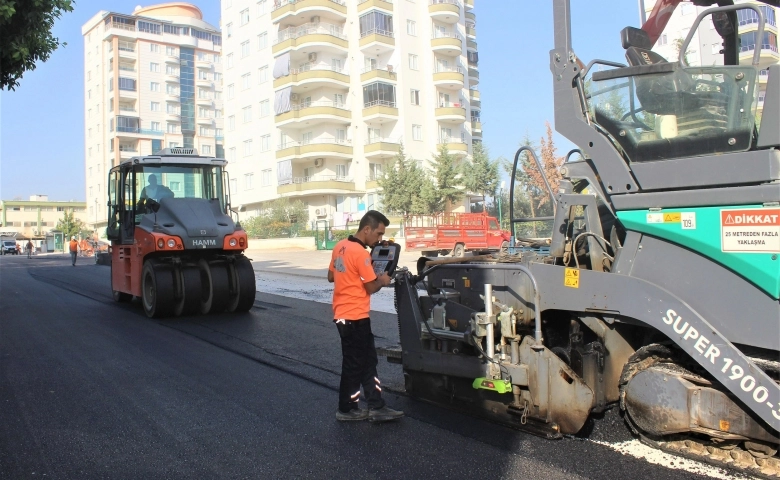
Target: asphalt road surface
90 388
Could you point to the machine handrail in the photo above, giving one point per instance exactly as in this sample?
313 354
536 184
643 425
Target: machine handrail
512 185
729 8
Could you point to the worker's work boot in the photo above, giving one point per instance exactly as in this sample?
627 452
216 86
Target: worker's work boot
352 415
384 414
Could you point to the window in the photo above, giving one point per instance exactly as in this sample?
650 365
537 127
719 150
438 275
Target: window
261 7
341 136
229 29
265 143
417 132
686 8
171 51
411 28
156 126
248 181
154 67
150 28
341 171
232 154
244 16
154 106
262 40
203 75
171 108
231 123
173 144
375 171
172 128
379 93
265 108
247 113
662 40
263 74
217 77
89 133
266 177
231 91
154 48
338 100
413 61
245 49
89 75
204 112
233 185
171 70
171 89
376 22
246 81
415 97
128 84
247 148
229 60
206 149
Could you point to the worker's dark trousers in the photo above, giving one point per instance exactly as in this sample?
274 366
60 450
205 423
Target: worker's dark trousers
358 365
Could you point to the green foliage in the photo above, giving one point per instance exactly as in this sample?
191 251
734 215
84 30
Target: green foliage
401 184
428 201
446 172
481 174
69 225
25 36
282 219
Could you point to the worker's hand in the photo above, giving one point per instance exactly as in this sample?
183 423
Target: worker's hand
384 279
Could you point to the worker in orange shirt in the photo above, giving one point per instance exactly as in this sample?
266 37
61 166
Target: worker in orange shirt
354 281
74 250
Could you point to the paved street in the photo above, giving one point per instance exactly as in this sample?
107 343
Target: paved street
93 389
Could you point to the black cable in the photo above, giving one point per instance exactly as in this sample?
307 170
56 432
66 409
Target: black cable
501 367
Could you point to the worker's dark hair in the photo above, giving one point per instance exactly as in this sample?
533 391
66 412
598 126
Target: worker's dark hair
372 219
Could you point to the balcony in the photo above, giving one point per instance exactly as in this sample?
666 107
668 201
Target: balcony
313 113
450 114
204 64
469 4
204 102
471 32
381 148
384 5
172 77
316 149
124 154
451 77
471 45
311 35
173 97
769 55
375 74
446 11
172 59
447 43
473 76
474 101
476 128
173 116
127 53
377 41
289 9
455 146
125 94
318 184
314 78
205 120
471 17
202 82
380 111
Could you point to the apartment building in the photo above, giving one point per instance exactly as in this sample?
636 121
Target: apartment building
706 44
36 219
321 94
152 80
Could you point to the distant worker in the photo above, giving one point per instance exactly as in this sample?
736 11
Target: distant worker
29 248
154 191
74 250
354 281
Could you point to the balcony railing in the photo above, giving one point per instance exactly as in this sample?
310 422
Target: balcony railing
443 69
316 178
364 1
326 141
380 103
377 31
323 103
371 140
283 3
446 35
439 2
308 68
121 26
310 29
765 46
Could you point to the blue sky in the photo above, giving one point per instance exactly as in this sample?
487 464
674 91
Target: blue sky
42 122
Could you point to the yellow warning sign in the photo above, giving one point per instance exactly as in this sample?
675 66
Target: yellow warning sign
571 278
672 217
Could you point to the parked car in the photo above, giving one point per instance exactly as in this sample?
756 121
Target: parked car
455 233
9 246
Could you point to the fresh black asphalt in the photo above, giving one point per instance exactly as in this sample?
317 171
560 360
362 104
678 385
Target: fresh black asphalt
93 389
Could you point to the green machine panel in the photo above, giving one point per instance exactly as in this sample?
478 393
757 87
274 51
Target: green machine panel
746 239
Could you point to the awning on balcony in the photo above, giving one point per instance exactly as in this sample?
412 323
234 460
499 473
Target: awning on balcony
284 172
282 101
282 65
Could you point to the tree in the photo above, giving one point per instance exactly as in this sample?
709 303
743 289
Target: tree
25 36
427 201
69 225
446 173
401 184
481 174
282 210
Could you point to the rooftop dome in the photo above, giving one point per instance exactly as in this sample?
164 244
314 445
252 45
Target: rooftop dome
173 9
